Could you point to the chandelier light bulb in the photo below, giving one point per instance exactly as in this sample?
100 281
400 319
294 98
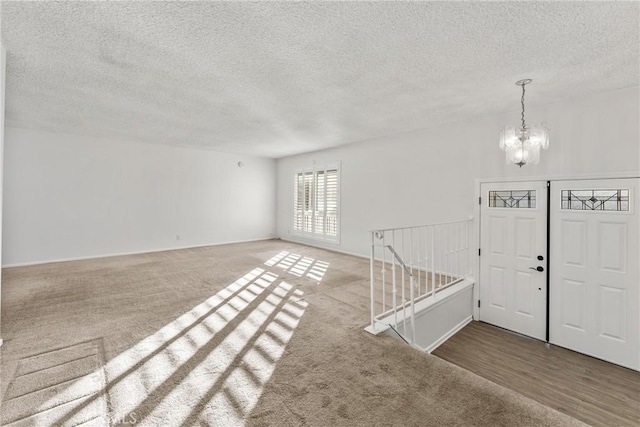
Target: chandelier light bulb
522 145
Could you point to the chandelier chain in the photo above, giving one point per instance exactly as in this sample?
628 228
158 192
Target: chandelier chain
522 102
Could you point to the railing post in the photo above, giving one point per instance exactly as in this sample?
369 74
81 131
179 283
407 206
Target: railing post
460 243
393 280
419 256
426 260
453 252
413 313
462 251
384 274
469 252
404 298
433 262
411 250
456 251
447 252
373 282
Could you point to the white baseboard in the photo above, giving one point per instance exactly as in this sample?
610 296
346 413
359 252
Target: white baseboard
326 248
25 264
449 334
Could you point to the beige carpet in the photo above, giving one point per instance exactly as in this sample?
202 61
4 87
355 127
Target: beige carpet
259 334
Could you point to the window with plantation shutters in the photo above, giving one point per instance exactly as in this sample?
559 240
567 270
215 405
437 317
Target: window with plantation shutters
315 202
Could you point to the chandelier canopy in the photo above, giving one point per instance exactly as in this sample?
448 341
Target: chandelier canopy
522 145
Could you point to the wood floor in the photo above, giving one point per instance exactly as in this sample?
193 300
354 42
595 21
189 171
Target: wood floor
593 391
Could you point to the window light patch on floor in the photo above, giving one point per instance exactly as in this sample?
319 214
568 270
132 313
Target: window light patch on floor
299 266
210 363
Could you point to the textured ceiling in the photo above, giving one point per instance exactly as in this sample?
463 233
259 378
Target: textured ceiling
276 79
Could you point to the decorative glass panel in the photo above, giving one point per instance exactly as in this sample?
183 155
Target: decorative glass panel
595 200
512 199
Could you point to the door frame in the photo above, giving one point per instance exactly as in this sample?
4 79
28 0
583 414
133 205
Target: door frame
476 220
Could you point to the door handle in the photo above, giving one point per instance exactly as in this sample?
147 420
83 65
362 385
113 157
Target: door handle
538 268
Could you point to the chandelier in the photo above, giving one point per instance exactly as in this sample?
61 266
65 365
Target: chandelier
522 145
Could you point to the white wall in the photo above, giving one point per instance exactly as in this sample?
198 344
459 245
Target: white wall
67 196
428 176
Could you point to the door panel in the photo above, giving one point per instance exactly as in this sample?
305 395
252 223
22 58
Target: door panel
497 296
594 269
513 235
498 235
525 239
524 293
574 243
612 250
572 304
613 301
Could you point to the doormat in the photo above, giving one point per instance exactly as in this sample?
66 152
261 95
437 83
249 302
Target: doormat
61 387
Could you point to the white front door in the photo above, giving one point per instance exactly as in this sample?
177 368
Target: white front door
594 276
513 259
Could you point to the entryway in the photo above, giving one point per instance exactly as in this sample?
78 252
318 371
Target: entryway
591 390
559 262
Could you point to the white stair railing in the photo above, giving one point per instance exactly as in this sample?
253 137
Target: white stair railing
431 258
